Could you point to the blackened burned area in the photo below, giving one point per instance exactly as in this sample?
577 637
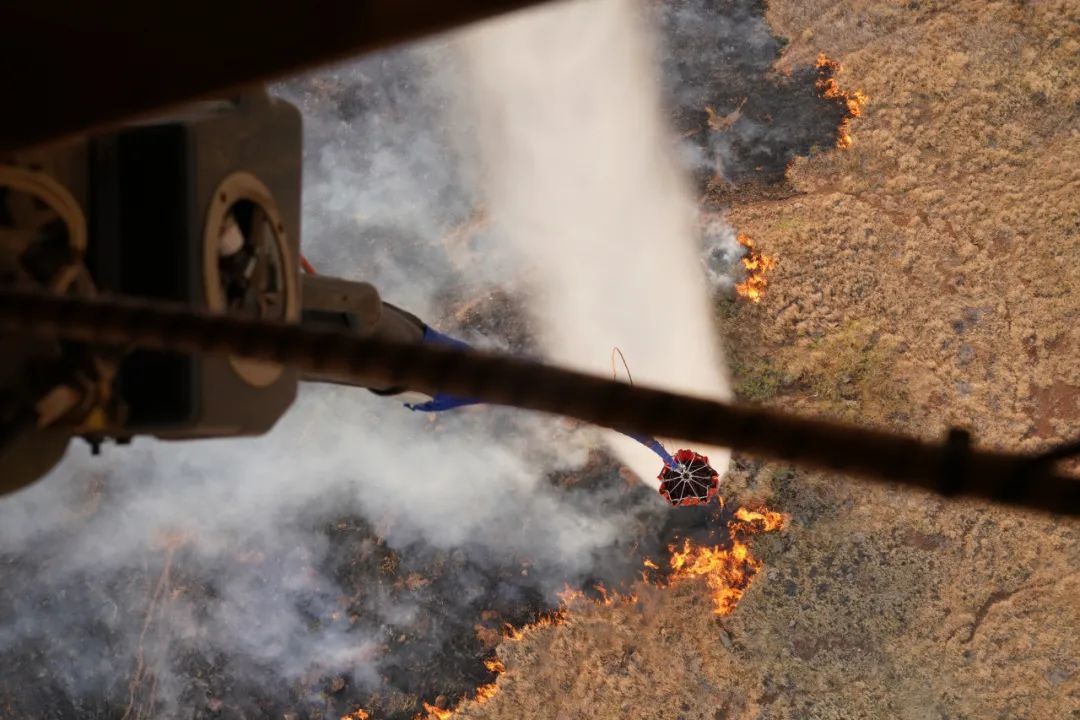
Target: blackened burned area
745 120
143 638
425 618
463 600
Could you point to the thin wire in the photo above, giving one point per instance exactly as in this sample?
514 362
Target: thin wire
614 376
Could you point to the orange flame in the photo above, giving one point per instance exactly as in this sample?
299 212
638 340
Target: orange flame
829 88
726 572
771 520
483 693
357 714
437 713
556 617
570 596
512 633
757 264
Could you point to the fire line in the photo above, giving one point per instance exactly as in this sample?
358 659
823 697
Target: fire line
725 572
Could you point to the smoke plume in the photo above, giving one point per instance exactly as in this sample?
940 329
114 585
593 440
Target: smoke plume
514 181
741 121
581 177
347 557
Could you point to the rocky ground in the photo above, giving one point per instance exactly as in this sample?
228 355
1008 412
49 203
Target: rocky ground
929 276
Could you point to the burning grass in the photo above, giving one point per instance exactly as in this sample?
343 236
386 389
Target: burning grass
725 569
757 266
726 572
829 88
483 693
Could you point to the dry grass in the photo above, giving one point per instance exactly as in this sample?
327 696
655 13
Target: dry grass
929 276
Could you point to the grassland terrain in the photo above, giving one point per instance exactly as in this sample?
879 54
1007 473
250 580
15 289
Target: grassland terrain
928 277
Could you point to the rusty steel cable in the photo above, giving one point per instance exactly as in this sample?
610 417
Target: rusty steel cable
952 468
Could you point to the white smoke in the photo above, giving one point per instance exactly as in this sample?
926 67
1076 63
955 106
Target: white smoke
335 453
721 252
581 181
82 550
581 176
